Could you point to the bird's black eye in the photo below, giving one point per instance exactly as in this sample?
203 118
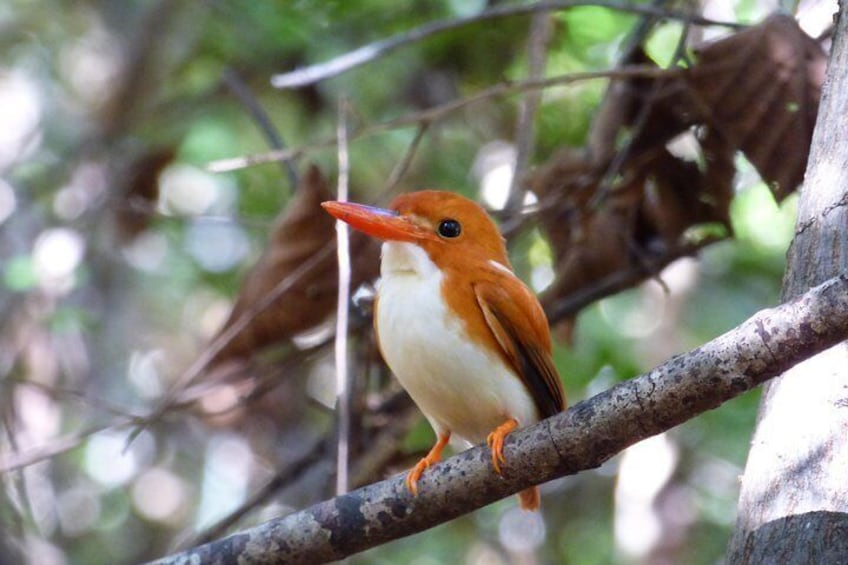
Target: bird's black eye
449 228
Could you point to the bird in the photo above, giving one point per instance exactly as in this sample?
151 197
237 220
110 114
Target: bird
465 337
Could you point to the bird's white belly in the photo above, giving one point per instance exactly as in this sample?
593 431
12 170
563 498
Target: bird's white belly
460 387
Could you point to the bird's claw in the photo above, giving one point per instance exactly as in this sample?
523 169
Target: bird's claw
415 474
433 457
495 441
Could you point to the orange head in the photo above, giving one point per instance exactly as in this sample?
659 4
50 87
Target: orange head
449 227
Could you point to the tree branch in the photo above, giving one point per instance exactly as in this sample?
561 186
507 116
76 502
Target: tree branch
538 41
581 438
436 113
245 96
373 51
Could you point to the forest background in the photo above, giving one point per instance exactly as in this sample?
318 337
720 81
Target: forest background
157 187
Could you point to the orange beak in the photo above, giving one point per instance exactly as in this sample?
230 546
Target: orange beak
377 222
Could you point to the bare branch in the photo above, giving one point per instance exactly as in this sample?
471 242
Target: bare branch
11 462
649 267
541 28
378 49
582 438
281 479
343 396
438 112
202 362
386 445
403 165
244 95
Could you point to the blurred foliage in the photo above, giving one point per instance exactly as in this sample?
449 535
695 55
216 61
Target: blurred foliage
96 326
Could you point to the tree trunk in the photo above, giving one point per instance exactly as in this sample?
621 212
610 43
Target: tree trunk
793 506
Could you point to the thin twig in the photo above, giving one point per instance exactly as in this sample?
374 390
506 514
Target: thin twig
119 203
680 55
541 28
219 343
90 401
279 481
436 113
378 49
385 446
242 92
573 302
263 379
23 511
639 32
57 447
403 166
343 396
607 182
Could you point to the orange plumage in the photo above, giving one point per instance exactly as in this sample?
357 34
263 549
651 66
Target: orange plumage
466 338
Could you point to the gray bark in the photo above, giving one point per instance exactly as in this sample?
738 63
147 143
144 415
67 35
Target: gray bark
581 438
793 506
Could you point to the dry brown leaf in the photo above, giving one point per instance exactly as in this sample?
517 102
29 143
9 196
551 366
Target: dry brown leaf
616 214
588 244
657 109
679 194
141 190
640 224
299 233
760 89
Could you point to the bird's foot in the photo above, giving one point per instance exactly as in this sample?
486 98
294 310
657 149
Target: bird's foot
495 441
433 457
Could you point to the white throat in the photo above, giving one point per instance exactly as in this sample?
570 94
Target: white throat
406 258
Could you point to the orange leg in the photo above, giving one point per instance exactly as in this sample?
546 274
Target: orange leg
495 441
432 458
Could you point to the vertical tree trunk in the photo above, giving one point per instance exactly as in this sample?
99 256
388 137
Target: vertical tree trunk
793 506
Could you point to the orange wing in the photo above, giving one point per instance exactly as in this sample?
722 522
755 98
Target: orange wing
519 325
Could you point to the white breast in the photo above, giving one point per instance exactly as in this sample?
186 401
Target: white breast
459 387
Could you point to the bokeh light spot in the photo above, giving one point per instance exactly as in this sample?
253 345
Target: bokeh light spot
159 495
20 114
110 462
56 255
8 202
216 246
521 531
79 510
